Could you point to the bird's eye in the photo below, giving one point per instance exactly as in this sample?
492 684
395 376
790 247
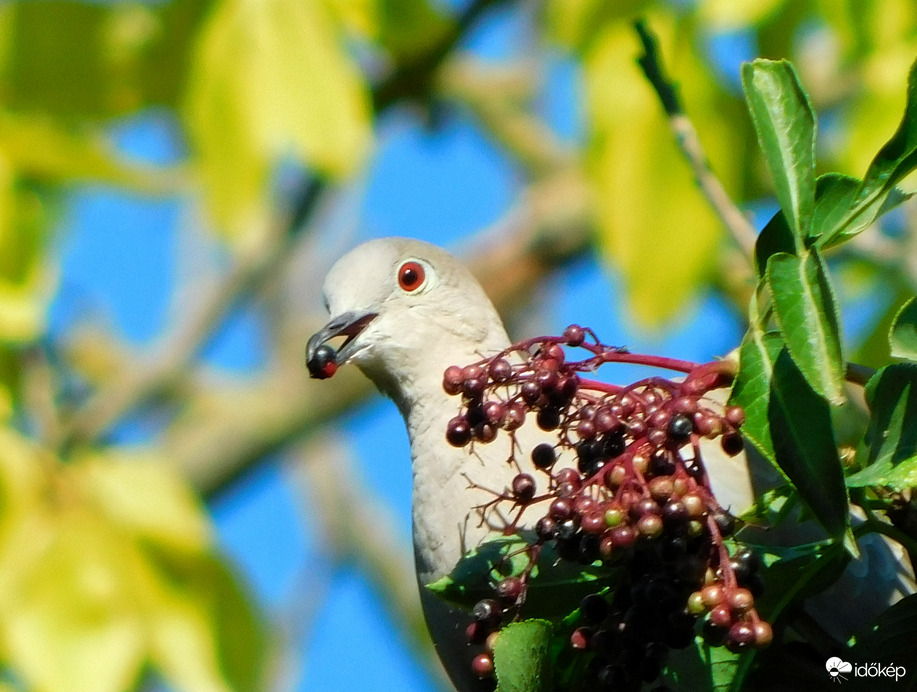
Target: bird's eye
411 276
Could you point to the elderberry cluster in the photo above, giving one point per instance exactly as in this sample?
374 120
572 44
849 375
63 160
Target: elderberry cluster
622 482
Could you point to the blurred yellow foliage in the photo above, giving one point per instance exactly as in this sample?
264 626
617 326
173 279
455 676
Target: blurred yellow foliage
106 563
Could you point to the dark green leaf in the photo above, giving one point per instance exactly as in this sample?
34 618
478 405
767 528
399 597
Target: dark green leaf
521 657
806 312
785 125
775 237
889 450
804 444
554 587
903 334
892 640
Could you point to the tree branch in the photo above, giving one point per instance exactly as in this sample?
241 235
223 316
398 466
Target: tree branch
743 233
173 353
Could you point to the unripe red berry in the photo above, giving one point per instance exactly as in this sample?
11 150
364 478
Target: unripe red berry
741 600
483 665
713 595
764 635
453 379
735 416
721 616
574 335
580 637
510 589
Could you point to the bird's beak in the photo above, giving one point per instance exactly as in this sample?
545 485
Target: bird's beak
348 324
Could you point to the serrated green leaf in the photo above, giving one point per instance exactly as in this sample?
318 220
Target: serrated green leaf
889 450
521 657
785 125
902 336
804 445
806 312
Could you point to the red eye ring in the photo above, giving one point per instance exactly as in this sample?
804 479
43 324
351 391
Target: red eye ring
411 276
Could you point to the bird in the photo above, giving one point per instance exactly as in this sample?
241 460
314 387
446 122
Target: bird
407 310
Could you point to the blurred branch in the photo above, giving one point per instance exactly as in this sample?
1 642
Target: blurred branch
743 233
40 393
360 531
175 351
500 96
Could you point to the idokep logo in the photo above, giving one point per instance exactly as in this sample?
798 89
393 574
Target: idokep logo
838 670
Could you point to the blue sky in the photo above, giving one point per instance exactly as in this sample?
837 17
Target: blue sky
118 257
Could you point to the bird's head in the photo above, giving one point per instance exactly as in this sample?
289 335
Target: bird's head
407 310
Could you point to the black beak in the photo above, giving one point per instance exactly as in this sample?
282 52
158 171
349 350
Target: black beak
349 324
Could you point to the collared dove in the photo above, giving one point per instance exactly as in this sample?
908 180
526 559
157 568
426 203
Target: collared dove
408 311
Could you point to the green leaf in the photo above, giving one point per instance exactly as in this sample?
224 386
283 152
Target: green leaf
877 193
889 450
785 126
805 310
205 630
86 60
903 334
752 387
207 627
553 588
804 445
521 657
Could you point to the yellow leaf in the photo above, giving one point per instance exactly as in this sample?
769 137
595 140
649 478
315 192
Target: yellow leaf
141 495
575 23
737 14
360 17
271 78
37 146
655 226
204 627
68 615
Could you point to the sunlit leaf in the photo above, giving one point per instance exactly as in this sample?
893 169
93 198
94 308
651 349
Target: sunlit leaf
214 616
785 125
521 657
68 614
271 78
147 498
575 24
38 147
655 226
727 15
806 311
889 452
752 387
903 334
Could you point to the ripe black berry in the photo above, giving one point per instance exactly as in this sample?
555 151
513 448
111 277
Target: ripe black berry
544 456
322 364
